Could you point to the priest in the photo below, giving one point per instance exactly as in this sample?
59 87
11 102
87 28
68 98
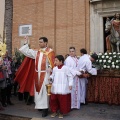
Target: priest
44 62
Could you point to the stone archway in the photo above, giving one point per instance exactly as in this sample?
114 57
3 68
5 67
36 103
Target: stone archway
99 10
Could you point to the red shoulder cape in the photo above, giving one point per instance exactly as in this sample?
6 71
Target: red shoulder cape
25 76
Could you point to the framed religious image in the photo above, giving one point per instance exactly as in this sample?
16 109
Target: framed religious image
25 30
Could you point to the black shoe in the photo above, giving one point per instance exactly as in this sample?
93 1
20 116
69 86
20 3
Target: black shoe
84 103
39 109
10 103
20 96
28 103
1 108
44 112
4 105
15 94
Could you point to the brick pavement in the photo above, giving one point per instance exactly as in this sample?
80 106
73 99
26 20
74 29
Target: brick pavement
91 111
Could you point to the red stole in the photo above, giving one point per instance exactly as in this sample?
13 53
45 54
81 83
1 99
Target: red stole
50 56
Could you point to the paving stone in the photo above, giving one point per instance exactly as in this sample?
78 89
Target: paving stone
92 111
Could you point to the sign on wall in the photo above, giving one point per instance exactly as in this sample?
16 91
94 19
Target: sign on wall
25 30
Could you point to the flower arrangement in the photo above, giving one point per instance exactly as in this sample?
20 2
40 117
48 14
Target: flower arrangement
108 61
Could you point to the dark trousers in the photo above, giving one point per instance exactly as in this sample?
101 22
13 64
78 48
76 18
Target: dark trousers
15 88
3 96
26 97
8 92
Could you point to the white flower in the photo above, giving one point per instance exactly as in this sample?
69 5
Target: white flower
103 56
108 66
107 56
113 66
104 66
110 58
117 66
100 54
113 63
100 61
91 53
104 60
109 61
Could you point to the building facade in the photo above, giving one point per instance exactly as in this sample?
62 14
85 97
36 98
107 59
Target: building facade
64 22
78 23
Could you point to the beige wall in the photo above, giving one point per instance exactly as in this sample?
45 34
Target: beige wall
64 22
2 11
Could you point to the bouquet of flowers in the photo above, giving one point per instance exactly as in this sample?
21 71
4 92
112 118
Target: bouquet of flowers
108 61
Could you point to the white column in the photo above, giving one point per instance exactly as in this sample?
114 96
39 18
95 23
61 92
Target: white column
2 12
96 31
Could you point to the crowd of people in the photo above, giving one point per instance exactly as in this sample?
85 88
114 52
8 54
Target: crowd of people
9 87
8 68
68 77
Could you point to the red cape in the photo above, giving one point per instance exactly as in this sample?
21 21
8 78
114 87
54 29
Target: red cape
25 76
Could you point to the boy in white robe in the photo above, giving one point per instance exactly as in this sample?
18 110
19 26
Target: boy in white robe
62 81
